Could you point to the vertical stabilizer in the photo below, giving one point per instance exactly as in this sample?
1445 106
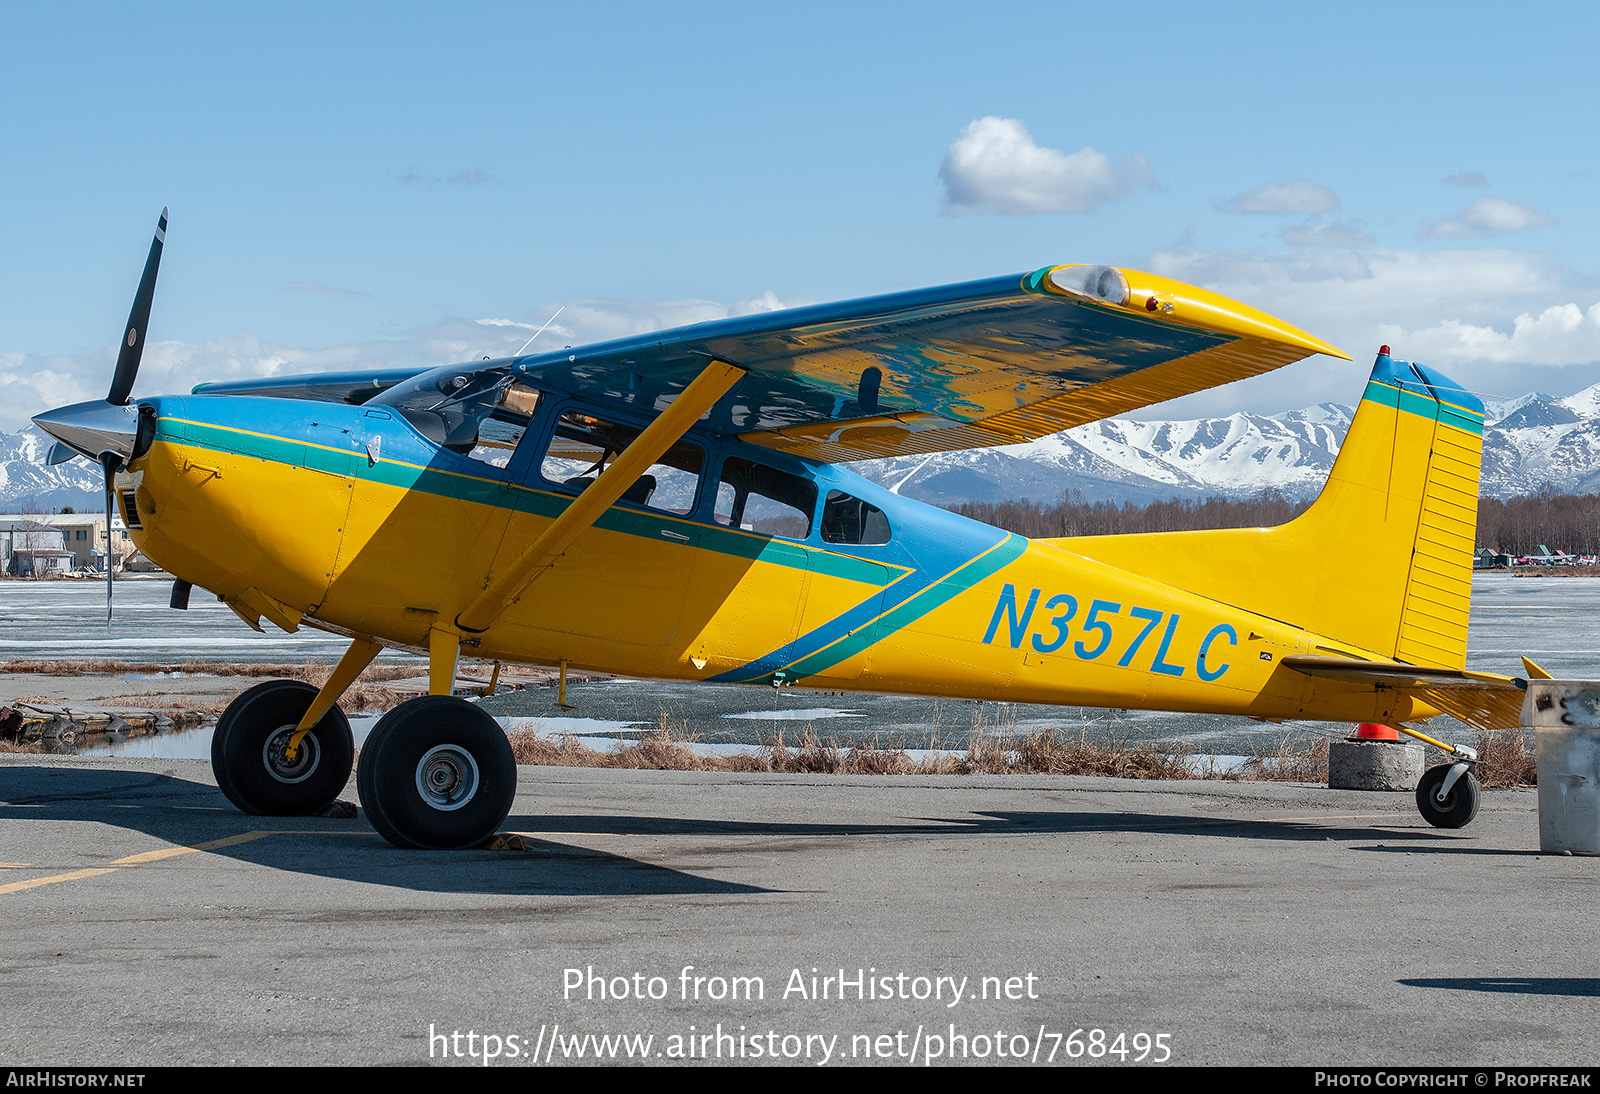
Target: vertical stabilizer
1382 561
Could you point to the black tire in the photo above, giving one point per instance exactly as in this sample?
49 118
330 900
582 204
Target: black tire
247 752
1458 809
436 773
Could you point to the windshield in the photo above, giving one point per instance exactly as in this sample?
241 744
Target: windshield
477 412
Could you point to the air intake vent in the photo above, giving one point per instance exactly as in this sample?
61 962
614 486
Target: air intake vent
130 510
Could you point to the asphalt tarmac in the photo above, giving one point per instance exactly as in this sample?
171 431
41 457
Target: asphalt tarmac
821 919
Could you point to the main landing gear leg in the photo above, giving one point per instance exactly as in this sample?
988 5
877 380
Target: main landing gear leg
1448 795
283 749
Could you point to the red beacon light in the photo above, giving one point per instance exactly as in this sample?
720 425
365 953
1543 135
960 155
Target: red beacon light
1383 351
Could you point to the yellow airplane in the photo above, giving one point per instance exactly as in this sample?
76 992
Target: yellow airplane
673 505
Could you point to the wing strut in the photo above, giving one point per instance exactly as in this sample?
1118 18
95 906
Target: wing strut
712 384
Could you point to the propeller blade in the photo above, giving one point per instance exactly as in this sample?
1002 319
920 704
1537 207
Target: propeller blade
109 462
138 319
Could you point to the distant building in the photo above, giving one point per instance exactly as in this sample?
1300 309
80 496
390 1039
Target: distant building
84 534
1486 559
31 548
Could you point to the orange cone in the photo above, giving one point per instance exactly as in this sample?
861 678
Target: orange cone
1367 731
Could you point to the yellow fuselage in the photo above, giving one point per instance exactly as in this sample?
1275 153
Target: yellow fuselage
303 525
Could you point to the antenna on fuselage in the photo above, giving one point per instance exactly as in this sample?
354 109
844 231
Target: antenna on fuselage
540 331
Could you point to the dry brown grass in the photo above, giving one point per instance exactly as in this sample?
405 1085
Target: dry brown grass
1040 753
1288 760
1046 753
1505 758
653 753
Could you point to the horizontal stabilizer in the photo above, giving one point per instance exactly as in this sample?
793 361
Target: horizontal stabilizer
1483 700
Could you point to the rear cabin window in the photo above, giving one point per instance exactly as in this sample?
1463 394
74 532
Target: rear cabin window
583 446
763 499
850 520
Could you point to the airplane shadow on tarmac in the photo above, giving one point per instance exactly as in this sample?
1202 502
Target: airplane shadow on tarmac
994 822
1514 985
185 813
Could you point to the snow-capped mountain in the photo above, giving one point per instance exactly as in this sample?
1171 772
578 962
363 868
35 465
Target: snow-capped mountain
1537 440
1120 459
28 484
1530 442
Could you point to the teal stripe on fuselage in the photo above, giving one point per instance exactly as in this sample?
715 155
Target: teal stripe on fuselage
543 503
807 659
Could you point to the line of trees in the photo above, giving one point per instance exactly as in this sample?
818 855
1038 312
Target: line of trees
1072 516
1516 526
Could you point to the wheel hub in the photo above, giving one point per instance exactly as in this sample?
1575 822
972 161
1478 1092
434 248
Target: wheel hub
285 770
447 777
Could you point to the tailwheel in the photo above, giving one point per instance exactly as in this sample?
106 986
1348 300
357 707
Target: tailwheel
1458 805
249 752
436 773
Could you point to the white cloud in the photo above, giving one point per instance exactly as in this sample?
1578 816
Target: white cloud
1294 196
600 318
1335 233
1562 334
1484 317
994 166
32 383
1488 216
1469 179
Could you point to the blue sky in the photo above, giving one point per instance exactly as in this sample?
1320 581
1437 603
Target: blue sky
392 184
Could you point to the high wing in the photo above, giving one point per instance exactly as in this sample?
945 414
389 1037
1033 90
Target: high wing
964 366
972 365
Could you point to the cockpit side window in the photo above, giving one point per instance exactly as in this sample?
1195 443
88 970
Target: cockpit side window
763 499
477 413
583 446
846 519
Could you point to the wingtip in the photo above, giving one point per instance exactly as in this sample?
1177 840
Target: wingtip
1166 298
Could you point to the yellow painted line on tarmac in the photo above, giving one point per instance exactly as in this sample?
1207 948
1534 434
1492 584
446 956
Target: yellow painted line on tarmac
134 860
171 852
18 886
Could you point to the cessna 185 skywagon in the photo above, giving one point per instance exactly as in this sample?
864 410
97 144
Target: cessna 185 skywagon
673 505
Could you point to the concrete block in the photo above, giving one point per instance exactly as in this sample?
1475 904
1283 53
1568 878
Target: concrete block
1374 765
